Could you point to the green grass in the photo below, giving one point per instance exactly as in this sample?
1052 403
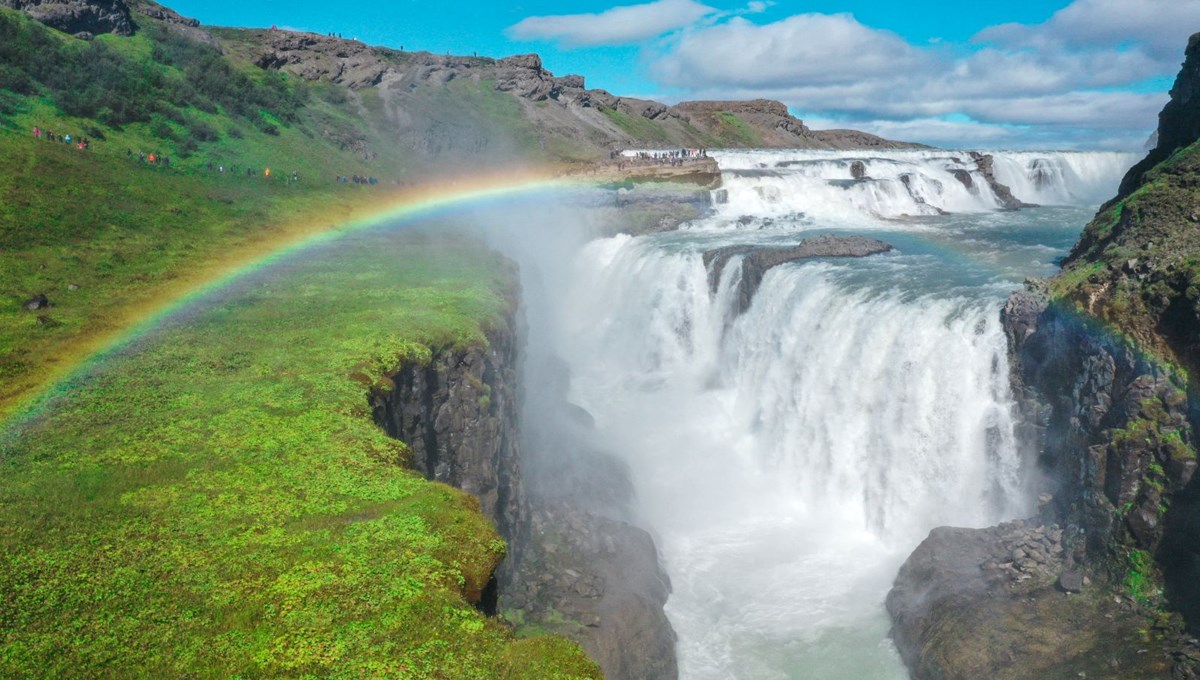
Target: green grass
638 127
1140 577
213 500
216 500
125 235
734 131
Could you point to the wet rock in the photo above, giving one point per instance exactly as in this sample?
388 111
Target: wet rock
858 170
757 260
964 178
985 163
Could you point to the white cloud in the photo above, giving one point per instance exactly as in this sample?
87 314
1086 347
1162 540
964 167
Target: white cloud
1069 81
803 49
616 26
1161 27
1074 80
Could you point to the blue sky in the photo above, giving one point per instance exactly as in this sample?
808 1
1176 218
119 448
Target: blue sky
1038 73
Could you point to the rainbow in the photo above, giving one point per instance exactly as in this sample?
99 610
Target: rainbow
394 209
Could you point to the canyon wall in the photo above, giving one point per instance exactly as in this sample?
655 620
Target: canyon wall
577 565
1104 361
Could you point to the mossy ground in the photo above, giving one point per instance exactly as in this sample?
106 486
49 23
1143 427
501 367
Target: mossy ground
213 499
1137 265
105 238
215 496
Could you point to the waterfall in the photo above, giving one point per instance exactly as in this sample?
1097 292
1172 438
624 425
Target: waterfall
789 455
767 188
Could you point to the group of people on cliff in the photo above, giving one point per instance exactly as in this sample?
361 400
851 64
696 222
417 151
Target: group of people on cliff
357 179
672 157
81 143
153 158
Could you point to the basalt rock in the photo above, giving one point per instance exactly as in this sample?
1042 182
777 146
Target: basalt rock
985 603
1178 123
39 301
757 260
458 415
985 163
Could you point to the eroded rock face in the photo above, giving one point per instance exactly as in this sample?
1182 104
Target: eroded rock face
76 17
757 260
577 565
1178 123
317 57
587 570
986 165
598 581
459 416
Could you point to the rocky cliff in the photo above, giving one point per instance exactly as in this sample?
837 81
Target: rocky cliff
449 106
1104 366
575 566
82 18
458 415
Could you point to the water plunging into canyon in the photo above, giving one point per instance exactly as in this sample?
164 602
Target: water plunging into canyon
789 455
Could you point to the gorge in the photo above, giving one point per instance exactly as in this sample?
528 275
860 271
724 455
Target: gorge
827 406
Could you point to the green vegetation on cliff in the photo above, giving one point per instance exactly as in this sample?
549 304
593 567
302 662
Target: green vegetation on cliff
214 499
217 497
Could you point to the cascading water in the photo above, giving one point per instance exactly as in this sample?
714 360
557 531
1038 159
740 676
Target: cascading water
803 188
790 456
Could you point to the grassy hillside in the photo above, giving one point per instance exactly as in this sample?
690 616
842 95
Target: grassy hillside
215 500
218 499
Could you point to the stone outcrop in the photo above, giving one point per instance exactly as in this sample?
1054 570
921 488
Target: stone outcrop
757 260
774 126
1178 123
458 414
317 57
1012 602
576 565
82 18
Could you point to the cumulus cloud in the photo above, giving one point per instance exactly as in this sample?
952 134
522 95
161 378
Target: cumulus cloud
616 26
1160 27
1070 81
803 49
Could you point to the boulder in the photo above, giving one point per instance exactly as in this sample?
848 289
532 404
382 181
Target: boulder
858 170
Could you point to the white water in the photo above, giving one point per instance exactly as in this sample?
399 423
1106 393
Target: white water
789 458
803 188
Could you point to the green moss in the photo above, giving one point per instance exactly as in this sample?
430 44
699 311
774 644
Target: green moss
1140 578
219 499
